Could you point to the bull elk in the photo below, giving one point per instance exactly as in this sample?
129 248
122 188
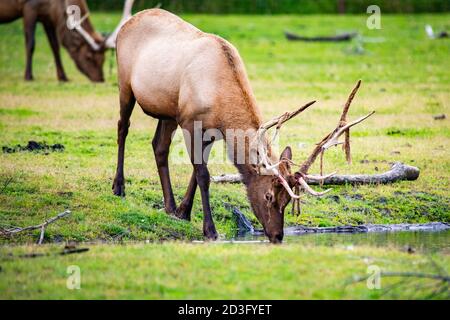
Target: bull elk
183 76
85 46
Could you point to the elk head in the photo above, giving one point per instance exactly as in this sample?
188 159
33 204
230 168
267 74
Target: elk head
88 48
270 193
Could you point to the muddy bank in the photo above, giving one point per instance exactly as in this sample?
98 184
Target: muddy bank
300 230
245 227
432 226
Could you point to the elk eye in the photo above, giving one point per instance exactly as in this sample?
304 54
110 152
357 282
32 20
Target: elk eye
269 197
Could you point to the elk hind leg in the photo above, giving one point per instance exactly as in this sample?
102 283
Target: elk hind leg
161 146
127 102
29 23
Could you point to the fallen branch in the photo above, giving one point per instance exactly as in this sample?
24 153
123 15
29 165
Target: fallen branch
440 281
64 252
12 231
340 37
438 277
398 172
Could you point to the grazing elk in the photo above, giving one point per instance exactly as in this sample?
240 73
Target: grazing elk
85 46
184 77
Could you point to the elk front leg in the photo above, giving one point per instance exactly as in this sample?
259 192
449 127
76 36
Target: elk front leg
161 145
185 208
29 20
203 180
54 44
127 102
199 160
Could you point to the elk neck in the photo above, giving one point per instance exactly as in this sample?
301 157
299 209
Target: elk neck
240 130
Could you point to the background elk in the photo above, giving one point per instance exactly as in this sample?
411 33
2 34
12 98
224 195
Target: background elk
180 75
85 46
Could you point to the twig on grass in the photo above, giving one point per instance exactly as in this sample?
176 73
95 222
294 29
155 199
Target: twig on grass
6 184
12 231
438 283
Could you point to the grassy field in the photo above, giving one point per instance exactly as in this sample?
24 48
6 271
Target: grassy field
405 79
216 271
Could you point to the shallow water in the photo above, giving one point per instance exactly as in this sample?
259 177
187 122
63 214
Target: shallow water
423 241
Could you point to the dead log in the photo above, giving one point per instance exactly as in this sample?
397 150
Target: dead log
340 37
398 172
227 178
64 252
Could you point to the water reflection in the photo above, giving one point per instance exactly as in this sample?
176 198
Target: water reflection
423 241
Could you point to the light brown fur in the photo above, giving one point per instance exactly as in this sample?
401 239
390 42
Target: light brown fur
180 75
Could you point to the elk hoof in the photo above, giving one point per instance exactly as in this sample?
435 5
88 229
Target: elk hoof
119 189
29 78
182 213
63 79
210 233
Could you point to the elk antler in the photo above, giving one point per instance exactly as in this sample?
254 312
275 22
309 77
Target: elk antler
328 141
74 22
278 121
262 147
110 42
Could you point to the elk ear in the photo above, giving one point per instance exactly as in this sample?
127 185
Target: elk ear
286 154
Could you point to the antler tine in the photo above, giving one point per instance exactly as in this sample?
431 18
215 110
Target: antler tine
332 141
349 101
287 187
332 138
343 120
285 117
308 189
278 121
110 42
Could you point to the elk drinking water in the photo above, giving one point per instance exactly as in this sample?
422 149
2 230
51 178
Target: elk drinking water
183 76
85 46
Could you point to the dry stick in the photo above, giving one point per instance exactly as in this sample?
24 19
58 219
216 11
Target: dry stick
41 237
6 183
42 226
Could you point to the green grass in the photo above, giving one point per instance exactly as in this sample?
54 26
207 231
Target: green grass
220 271
405 79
